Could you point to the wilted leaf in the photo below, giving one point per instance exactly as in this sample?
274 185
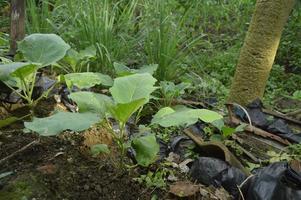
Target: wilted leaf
91 102
61 121
43 48
133 87
146 148
87 80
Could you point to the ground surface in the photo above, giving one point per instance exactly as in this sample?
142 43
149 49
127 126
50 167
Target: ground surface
57 169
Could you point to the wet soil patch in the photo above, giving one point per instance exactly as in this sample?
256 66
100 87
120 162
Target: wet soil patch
56 168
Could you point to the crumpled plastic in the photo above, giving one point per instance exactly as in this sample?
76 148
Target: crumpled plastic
260 119
213 171
277 181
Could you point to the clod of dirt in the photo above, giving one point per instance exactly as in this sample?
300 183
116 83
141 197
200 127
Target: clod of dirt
184 189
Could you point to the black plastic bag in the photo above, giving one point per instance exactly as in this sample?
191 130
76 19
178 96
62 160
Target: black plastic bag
277 181
213 171
259 119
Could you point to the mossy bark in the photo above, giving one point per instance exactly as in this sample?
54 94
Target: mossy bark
258 52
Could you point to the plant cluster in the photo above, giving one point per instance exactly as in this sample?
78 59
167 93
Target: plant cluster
129 93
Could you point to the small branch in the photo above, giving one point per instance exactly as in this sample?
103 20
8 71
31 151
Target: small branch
260 132
19 151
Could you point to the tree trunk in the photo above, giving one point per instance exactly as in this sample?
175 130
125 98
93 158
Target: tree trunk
17 24
258 52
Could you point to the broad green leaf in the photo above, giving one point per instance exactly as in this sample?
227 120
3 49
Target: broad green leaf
91 102
146 148
122 112
99 148
148 69
88 52
123 70
219 124
87 80
43 48
7 69
8 121
133 87
168 117
208 116
26 72
106 80
61 121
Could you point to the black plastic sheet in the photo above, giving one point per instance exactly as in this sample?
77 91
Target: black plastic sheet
260 119
213 171
277 181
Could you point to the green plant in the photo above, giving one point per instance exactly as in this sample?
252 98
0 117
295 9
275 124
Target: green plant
183 116
4 43
170 91
103 24
78 61
129 94
39 50
154 179
296 95
225 130
39 18
165 43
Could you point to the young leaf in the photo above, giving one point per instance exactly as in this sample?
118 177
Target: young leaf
91 102
146 148
227 131
168 117
133 87
43 48
61 121
99 148
87 80
122 112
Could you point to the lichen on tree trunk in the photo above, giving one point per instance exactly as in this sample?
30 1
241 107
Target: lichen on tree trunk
258 52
